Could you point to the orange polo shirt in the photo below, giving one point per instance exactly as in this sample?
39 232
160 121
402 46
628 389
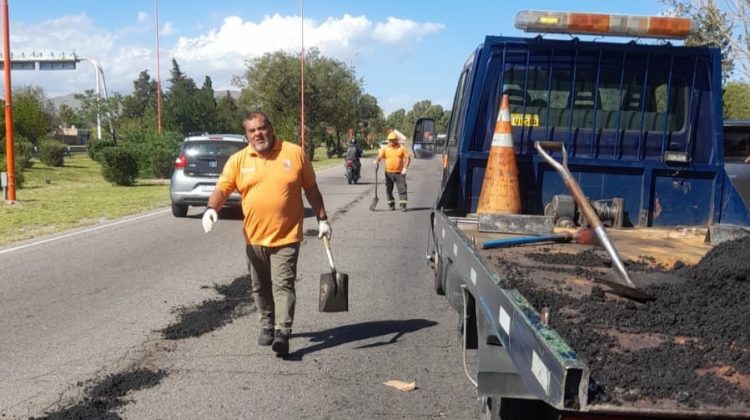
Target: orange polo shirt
395 157
271 190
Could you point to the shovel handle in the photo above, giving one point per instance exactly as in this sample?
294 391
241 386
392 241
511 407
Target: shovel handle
329 253
583 204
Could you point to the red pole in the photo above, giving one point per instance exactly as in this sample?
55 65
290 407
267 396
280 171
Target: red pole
158 70
302 80
8 109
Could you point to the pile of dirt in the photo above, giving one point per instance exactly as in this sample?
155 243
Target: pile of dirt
690 345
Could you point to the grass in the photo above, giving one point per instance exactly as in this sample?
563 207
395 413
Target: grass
77 195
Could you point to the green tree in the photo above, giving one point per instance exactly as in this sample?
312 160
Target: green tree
68 117
105 111
272 83
737 101
398 120
371 117
180 106
333 96
426 109
228 115
205 106
142 102
29 116
723 25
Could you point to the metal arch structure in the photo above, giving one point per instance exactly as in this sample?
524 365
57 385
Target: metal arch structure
40 62
100 77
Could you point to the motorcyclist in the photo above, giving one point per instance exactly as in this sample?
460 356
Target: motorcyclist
353 153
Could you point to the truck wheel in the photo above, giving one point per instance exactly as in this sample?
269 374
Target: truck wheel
179 210
439 275
489 408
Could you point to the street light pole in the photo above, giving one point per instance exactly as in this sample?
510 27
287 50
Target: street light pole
97 72
10 158
158 70
302 80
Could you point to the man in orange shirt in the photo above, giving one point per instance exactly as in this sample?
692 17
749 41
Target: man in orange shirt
270 176
397 159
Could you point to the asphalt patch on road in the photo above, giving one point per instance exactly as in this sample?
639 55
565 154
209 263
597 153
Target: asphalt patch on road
104 397
212 314
691 345
193 321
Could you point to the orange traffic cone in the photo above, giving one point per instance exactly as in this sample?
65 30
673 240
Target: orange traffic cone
500 190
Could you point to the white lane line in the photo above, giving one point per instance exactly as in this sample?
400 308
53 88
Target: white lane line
68 235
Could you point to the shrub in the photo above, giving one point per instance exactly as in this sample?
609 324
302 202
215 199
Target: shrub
18 172
162 162
155 153
52 153
24 151
119 165
95 146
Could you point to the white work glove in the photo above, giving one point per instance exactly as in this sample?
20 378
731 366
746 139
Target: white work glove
209 219
324 228
403 171
375 163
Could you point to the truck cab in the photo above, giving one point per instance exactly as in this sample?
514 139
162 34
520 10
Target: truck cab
640 121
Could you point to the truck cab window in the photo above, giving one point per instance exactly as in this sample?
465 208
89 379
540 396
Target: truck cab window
456 110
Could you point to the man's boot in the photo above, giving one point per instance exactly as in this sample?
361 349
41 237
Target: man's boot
403 206
266 336
280 344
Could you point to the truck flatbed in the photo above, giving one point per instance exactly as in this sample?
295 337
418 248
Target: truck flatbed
692 364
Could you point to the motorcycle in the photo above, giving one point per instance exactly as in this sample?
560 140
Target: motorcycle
352 172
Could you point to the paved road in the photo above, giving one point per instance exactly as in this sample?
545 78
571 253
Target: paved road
148 317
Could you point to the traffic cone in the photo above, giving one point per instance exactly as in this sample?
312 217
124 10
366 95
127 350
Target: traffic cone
500 190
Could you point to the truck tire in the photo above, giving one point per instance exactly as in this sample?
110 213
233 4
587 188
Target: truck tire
179 210
439 276
489 408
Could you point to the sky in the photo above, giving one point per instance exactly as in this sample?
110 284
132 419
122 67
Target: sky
404 51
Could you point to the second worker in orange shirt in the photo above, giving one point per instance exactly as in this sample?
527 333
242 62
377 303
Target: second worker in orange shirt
270 175
397 159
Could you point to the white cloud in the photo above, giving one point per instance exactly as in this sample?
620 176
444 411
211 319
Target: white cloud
167 29
399 30
219 52
228 47
63 34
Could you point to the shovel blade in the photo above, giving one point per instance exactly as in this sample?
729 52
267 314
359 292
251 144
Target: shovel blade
334 292
373 204
614 281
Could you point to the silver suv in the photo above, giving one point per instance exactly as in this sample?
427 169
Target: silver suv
197 168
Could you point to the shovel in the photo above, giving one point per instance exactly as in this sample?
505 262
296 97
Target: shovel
619 281
375 199
334 287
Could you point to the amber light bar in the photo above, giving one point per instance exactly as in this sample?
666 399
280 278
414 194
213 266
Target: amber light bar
605 24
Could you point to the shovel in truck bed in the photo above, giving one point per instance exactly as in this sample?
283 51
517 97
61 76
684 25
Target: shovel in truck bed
618 278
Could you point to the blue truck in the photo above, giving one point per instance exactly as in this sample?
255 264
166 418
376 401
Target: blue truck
639 126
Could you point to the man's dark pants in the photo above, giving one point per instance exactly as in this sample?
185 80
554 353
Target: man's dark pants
400 181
